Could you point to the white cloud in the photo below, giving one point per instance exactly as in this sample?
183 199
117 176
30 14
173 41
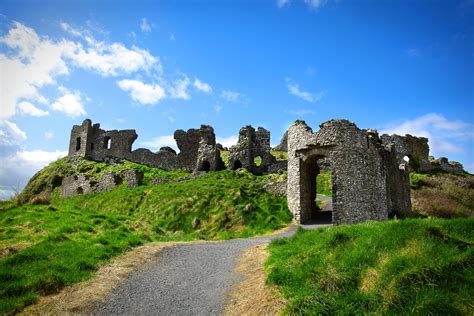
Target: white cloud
68 28
145 26
69 104
231 96
179 90
114 59
16 169
161 141
29 109
294 89
10 134
315 4
48 135
141 92
34 62
202 86
443 135
282 3
228 141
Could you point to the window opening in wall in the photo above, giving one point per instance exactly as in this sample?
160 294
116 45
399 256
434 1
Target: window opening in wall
257 161
107 143
78 143
237 165
205 166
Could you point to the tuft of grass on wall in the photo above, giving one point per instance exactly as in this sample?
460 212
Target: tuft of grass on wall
416 266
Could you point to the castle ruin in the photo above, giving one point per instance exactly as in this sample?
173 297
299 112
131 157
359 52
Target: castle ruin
370 173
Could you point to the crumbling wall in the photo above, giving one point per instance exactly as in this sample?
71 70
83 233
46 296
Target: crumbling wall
133 177
108 181
252 144
209 156
415 148
91 142
444 165
77 184
358 162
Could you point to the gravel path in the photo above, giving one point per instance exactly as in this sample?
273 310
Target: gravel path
183 280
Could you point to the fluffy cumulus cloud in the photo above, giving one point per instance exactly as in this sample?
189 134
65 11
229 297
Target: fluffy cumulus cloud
35 61
140 92
70 104
180 88
10 134
202 86
27 108
17 165
445 136
23 164
294 89
161 141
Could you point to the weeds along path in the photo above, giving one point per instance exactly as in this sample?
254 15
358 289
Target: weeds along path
191 279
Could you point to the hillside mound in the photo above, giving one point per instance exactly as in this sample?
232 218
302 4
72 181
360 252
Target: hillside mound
53 241
413 266
446 195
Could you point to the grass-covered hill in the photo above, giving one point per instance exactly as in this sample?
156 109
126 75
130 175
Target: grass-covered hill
48 242
413 266
446 195
51 242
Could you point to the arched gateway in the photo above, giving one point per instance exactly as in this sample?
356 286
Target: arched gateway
369 179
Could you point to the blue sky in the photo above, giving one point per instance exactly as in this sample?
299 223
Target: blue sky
157 66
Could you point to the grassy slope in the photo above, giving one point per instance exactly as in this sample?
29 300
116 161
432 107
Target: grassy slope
45 247
417 266
443 194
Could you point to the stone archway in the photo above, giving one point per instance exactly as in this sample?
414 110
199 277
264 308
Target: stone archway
237 164
205 166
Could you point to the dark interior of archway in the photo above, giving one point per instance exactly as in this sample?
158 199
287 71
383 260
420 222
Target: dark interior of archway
205 166
237 165
316 214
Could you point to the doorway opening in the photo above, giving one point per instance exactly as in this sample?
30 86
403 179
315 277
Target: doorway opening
237 165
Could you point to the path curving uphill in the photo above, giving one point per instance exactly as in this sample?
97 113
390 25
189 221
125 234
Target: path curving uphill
191 279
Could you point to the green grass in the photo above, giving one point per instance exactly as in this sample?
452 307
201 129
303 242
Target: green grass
279 155
416 266
46 247
445 195
47 179
324 183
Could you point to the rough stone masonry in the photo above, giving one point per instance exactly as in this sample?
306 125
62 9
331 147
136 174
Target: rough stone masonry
369 178
370 174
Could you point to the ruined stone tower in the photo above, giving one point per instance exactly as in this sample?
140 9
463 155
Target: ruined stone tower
252 144
369 177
